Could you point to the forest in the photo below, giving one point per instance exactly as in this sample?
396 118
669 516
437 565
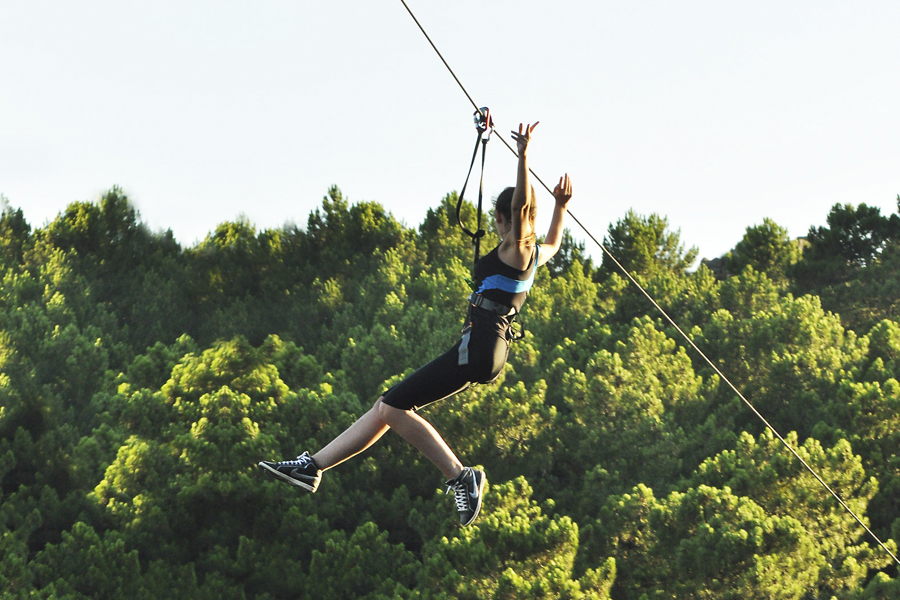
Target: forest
142 381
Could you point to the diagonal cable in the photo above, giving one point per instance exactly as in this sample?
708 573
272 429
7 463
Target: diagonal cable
665 314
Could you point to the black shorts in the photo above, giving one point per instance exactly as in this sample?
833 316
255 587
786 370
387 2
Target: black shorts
488 347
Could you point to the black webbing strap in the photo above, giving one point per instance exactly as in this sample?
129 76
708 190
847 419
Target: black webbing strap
491 306
483 124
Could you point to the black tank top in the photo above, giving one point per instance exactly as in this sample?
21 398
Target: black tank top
497 281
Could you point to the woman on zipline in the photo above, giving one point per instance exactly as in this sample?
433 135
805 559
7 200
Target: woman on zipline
503 278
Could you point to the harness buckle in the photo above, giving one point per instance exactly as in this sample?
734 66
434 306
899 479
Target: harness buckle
479 301
516 332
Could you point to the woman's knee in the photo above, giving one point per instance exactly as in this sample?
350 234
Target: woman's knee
378 407
388 413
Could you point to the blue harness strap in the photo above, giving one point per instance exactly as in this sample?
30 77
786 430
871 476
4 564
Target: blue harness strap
508 284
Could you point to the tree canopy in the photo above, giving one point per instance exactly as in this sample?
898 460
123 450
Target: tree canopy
140 383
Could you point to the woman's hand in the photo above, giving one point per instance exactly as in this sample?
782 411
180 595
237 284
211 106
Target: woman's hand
523 136
563 191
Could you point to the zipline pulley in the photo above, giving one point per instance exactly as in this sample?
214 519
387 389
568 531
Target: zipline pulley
484 125
483 121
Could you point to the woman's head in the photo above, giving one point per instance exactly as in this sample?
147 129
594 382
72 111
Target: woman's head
503 207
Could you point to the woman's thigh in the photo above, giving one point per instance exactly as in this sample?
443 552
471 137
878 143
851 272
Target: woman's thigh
437 380
444 376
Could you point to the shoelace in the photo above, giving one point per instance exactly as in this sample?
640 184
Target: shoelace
460 494
300 461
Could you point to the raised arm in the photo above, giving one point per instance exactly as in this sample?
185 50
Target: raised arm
562 193
523 197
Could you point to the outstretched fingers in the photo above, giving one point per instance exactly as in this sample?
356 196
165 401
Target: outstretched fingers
525 130
528 128
523 135
563 190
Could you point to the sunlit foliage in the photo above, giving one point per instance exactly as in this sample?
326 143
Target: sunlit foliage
140 382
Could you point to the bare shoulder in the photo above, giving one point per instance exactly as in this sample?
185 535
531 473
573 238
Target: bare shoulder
516 254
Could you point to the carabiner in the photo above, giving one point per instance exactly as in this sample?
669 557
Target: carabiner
483 121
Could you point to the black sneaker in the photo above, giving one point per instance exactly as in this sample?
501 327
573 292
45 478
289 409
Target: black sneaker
467 489
302 471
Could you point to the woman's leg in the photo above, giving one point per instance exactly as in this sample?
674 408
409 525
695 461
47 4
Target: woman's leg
420 433
439 379
367 430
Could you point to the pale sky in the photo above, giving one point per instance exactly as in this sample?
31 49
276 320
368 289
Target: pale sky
715 114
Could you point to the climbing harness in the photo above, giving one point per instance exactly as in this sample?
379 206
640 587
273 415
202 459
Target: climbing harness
515 330
484 125
480 301
671 321
509 313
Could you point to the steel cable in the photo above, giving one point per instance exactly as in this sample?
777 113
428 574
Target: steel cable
664 313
